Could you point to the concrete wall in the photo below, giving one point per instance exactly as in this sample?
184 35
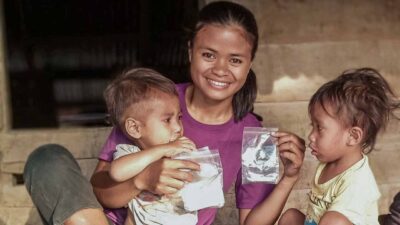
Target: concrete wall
303 44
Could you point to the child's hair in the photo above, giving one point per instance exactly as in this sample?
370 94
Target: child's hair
360 97
227 14
133 86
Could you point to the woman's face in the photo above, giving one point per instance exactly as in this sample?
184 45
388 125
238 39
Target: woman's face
220 59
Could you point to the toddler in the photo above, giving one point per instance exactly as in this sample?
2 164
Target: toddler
346 115
145 106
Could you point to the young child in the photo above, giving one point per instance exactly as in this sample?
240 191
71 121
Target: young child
145 106
346 115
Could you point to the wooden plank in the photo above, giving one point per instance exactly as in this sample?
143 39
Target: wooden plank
83 142
87 167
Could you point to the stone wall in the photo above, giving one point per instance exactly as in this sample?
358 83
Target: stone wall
303 44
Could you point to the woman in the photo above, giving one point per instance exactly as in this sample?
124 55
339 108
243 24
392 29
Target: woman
216 107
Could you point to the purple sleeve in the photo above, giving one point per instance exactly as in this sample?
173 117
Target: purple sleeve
249 195
116 137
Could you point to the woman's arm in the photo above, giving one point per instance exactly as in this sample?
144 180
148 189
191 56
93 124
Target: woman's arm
291 151
161 177
269 210
109 193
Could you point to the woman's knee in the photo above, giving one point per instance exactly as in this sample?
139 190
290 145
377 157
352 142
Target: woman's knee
46 163
47 156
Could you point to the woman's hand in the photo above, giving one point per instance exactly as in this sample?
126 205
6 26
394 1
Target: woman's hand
291 151
165 176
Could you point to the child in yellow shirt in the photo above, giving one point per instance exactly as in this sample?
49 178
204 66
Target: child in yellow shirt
346 115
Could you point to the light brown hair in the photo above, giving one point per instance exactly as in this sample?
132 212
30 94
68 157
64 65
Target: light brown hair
131 87
362 98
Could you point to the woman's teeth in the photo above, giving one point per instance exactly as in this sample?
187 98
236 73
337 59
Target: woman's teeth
218 84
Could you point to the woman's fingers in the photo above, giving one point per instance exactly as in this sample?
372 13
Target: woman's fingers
173 175
181 164
284 137
291 149
295 159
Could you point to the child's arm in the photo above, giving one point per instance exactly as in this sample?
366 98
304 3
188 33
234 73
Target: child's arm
130 165
165 176
291 150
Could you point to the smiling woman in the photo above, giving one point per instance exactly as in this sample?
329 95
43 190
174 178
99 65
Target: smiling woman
216 106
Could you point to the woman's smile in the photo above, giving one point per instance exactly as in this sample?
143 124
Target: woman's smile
218 84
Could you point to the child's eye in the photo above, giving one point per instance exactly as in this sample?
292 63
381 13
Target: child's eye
236 61
316 126
167 120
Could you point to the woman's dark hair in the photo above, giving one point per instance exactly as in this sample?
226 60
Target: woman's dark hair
361 98
244 99
228 14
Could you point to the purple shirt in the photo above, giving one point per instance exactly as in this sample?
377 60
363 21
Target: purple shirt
226 138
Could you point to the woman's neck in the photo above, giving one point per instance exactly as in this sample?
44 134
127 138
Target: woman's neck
206 110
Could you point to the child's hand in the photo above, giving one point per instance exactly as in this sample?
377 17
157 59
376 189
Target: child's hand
182 144
291 151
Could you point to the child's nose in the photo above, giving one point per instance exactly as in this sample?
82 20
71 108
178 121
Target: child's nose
177 128
311 136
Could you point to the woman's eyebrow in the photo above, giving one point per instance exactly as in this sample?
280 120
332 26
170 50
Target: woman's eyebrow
208 48
237 55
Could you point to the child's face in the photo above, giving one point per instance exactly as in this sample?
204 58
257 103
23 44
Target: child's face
162 122
328 136
220 61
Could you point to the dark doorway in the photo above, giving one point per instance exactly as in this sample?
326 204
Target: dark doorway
62 54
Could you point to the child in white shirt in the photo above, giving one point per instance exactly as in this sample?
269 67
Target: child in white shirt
145 106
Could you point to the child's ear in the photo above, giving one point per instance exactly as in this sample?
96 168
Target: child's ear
133 128
355 136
